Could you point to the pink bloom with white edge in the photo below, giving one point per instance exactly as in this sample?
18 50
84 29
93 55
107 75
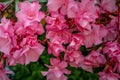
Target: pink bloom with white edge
108 76
93 60
58 69
7 37
28 50
29 12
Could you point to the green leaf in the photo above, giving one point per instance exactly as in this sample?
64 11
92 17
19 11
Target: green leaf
4 0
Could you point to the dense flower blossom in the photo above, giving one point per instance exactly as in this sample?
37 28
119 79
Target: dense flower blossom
79 20
19 43
69 26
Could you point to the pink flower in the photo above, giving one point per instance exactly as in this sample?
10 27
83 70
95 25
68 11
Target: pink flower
108 76
28 50
66 7
72 9
54 5
29 12
57 28
87 14
55 22
112 29
7 37
93 60
74 57
57 70
112 49
52 76
76 41
63 36
109 5
95 35
33 28
55 48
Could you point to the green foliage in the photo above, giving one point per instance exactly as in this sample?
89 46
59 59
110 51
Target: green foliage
28 72
79 74
4 0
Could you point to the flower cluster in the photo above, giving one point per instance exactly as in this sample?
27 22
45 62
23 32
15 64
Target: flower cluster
18 40
70 25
